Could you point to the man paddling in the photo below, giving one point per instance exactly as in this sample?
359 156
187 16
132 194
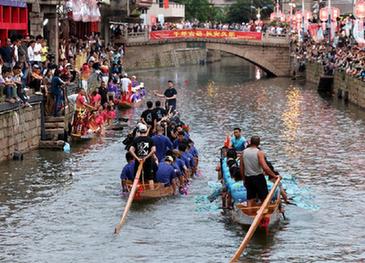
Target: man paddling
162 143
169 95
237 140
127 172
143 149
148 117
254 166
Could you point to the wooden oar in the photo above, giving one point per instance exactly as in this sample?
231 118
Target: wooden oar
123 217
255 223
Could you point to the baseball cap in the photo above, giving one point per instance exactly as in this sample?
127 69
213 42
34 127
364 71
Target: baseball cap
142 128
169 158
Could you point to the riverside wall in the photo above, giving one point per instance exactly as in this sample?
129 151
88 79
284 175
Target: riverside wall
344 86
163 57
20 128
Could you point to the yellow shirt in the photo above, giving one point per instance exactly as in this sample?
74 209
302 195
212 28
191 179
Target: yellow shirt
44 54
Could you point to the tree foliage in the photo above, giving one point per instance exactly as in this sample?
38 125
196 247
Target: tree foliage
241 10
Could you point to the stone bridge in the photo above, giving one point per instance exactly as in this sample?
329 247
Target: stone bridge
271 53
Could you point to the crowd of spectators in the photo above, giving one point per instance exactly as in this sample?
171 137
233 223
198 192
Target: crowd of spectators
28 68
342 53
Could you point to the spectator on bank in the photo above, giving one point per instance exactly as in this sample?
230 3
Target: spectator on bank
6 54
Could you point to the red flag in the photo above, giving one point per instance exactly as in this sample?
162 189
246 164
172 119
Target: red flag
166 4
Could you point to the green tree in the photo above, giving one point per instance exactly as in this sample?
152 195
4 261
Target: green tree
197 9
242 11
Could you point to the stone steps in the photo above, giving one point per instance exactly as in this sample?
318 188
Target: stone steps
54 119
51 144
54 125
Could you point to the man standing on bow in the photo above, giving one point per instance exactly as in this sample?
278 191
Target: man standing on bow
169 96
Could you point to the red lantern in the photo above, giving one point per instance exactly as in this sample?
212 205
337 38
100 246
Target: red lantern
298 17
359 10
335 13
307 15
323 14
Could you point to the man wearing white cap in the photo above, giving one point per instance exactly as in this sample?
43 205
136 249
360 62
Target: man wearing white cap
143 149
126 82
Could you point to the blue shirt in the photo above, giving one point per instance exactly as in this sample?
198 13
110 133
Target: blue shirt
165 173
238 144
162 144
193 151
177 143
188 159
128 172
56 84
179 165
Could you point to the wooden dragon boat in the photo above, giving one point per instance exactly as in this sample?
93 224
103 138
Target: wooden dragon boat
145 192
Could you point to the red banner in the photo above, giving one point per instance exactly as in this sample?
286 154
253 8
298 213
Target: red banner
205 33
166 4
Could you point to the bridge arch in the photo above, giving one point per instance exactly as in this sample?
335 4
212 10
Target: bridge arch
273 58
265 58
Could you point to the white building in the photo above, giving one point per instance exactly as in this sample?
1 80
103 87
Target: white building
157 13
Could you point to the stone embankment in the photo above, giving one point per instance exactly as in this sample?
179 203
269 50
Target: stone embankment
20 129
344 86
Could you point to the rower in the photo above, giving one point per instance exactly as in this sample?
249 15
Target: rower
237 140
162 143
148 117
169 96
127 172
143 149
185 156
166 173
159 111
180 140
79 125
254 166
181 165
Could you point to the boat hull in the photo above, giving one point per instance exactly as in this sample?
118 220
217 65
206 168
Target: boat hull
244 215
145 192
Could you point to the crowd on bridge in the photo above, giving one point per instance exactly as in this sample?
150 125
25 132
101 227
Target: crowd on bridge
251 26
342 51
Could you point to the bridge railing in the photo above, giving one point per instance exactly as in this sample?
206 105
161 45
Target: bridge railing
203 34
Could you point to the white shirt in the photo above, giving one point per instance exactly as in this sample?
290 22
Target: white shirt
30 53
37 48
125 84
16 54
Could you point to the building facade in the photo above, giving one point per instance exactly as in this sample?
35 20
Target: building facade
174 13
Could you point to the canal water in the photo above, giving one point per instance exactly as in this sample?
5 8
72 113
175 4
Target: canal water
59 207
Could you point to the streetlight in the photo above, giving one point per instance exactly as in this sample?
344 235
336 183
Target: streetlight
259 9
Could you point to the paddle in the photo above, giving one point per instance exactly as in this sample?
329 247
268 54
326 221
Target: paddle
255 223
123 217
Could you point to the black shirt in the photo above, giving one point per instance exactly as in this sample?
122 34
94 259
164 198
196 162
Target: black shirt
159 113
149 116
103 94
142 145
170 92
